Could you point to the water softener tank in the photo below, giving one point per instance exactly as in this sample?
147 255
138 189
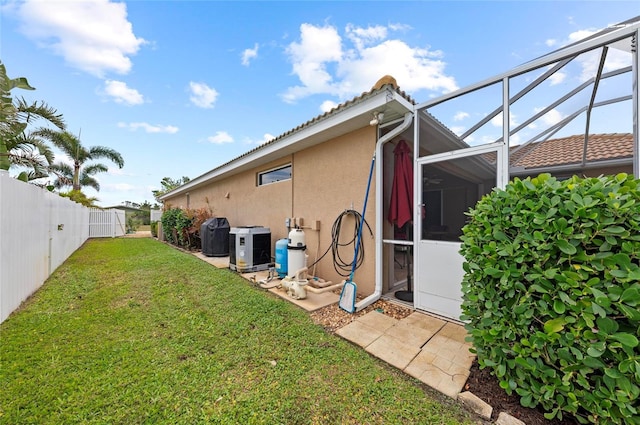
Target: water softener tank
296 247
281 257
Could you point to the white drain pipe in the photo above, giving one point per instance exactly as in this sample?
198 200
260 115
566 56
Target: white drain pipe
408 119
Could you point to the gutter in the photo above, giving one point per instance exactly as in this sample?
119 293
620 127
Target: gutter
408 120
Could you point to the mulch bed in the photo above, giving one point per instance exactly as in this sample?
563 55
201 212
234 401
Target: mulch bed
485 386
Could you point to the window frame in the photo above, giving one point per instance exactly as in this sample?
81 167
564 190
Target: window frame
260 175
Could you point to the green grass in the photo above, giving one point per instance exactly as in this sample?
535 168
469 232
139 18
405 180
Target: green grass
131 331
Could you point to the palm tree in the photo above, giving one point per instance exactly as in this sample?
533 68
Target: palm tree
80 173
17 146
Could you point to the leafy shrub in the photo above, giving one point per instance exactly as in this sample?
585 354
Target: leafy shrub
132 225
154 229
551 294
169 221
182 227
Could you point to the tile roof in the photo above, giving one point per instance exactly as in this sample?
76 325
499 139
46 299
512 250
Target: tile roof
377 87
387 82
569 150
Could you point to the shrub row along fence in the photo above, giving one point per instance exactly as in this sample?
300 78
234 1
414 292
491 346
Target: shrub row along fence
39 230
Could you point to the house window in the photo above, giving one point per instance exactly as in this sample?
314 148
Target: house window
274 175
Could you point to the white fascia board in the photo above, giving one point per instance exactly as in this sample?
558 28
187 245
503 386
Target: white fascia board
351 118
576 49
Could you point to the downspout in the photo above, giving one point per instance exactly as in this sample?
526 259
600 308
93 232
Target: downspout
408 119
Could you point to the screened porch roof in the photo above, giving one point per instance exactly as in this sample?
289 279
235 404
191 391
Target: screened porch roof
589 88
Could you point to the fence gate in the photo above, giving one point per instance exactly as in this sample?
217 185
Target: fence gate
106 223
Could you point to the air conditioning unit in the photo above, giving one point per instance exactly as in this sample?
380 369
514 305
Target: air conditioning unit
249 248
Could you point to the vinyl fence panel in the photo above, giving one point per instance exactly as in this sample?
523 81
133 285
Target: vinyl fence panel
39 230
106 223
155 215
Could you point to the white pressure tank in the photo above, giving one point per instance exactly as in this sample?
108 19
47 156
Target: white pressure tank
296 256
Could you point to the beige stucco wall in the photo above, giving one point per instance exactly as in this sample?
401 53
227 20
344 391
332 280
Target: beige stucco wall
329 179
326 180
243 202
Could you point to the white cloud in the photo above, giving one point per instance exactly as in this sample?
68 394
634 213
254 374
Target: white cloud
149 128
327 63
328 105
457 130
62 158
317 47
459 116
515 139
118 172
202 95
265 138
123 187
557 78
365 36
550 118
497 120
93 36
551 42
220 138
120 93
590 61
249 54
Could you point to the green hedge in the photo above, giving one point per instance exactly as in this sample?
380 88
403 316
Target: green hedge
551 294
175 226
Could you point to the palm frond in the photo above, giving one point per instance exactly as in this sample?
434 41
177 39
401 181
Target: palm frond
105 152
93 169
35 111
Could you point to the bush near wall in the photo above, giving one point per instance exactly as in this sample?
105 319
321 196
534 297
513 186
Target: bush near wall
551 294
182 227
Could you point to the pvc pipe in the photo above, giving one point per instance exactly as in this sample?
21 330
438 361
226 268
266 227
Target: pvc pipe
315 290
408 119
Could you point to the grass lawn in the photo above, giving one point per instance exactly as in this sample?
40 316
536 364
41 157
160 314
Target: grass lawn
131 331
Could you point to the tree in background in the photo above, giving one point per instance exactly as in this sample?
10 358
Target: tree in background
81 173
168 184
17 146
79 197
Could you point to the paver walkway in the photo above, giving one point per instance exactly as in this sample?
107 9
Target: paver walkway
427 348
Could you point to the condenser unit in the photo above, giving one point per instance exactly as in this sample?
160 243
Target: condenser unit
249 248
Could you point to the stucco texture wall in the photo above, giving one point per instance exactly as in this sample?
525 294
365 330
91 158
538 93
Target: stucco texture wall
327 179
243 202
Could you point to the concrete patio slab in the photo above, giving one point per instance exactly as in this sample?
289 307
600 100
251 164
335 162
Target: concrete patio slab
313 301
410 334
454 331
377 320
424 321
218 262
420 364
430 349
392 351
359 333
436 378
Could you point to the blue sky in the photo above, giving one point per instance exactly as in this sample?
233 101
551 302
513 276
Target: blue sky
180 87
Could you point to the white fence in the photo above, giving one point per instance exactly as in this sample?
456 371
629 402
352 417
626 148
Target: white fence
39 230
156 215
106 223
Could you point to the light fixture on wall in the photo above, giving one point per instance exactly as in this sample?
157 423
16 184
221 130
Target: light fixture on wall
377 118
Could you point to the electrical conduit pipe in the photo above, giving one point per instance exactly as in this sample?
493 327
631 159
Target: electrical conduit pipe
408 119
